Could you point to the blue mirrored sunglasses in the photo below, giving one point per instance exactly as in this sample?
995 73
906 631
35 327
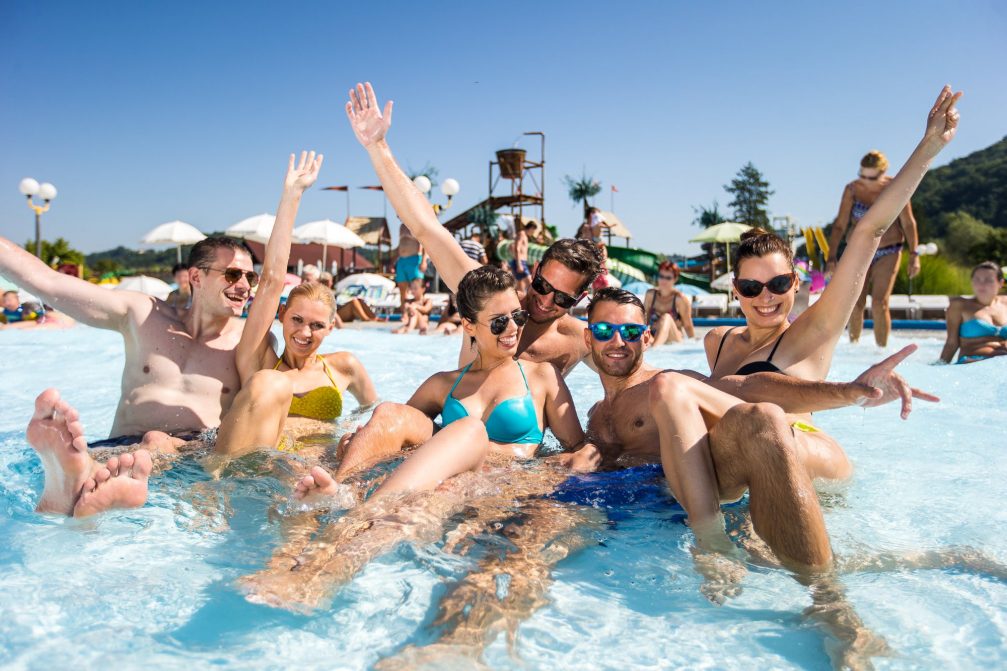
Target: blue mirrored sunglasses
603 331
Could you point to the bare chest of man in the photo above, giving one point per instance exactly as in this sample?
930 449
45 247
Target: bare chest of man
626 431
560 349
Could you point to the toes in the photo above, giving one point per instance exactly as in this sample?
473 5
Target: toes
321 477
45 403
113 465
125 462
142 464
101 475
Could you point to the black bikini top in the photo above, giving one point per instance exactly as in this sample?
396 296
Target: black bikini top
752 367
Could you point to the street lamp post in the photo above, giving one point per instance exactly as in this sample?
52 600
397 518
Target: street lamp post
449 188
47 192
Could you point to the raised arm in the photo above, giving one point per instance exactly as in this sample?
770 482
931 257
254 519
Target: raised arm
371 125
560 412
85 302
685 312
255 336
822 323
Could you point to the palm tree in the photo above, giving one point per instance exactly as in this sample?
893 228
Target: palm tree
580 190
708 216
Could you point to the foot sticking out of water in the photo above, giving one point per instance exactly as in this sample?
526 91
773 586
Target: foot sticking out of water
75 484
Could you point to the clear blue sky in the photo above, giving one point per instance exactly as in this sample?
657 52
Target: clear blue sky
141 113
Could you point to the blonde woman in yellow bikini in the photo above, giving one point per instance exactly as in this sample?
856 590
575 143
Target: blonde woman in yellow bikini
299 383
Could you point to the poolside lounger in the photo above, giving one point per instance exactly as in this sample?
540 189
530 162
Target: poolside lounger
901 306
933 307
709 305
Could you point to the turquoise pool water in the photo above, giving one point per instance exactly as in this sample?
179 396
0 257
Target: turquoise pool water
155 587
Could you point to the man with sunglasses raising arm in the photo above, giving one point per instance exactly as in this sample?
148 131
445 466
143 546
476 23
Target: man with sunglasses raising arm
179 374
566 271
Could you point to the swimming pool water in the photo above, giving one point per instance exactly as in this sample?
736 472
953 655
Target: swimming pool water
155 587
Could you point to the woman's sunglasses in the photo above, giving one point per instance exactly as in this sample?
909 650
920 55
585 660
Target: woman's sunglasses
499 324
670 278
779 285
232 275
603 331
870 178
560 298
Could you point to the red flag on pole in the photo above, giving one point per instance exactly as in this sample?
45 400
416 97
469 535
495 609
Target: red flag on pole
614 190
336 188
373 188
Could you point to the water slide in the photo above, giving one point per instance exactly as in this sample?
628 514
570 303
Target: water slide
624 272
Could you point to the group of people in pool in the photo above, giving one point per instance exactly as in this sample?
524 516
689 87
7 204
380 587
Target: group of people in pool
745 427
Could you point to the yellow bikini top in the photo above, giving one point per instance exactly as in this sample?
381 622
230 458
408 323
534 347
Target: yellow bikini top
322 403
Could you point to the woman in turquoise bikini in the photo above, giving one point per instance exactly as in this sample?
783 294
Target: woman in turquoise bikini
858 197
978 326
496 406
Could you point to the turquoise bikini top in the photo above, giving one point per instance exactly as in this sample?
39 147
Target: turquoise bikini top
512 421
980 328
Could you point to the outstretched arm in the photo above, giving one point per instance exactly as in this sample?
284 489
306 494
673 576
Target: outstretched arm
255 336
371 125
85 302
823 322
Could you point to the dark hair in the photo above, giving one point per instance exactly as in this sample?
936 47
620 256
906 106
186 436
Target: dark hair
579 255
988 265
204 252
477 286
613 295
758 242
179 266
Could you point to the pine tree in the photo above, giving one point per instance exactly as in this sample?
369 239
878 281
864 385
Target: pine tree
751 195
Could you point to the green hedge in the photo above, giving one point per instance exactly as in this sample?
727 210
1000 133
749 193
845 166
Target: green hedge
938 275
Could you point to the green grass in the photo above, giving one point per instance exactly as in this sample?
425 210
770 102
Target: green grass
938 275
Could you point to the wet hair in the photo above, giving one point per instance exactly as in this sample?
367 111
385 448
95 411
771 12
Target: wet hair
758 242
314 291
669 266
874 159
179 266
579 255
204 252
613 295
988 265
478 285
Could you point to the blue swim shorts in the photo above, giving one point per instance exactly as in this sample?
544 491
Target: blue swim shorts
407 268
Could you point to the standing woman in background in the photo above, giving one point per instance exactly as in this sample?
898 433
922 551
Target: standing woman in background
858 196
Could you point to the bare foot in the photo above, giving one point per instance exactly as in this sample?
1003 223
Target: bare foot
319 488
56 433
121 483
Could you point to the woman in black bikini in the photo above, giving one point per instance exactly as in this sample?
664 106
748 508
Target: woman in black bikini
858 196
766 285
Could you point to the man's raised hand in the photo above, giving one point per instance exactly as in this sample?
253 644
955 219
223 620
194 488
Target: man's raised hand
300 177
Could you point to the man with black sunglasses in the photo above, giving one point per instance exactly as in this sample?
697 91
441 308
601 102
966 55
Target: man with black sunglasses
564 274
179 374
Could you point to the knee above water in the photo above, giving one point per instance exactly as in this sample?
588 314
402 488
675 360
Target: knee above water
270 384
669 386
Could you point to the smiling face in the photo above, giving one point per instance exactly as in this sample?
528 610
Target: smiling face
766 310
495 346
212 293
616 357
542 308
306 322
986 283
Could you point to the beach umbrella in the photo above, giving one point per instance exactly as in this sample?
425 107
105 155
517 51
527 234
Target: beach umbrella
723 283
257 228
638 288
327 233
726 232
145 285
173 233
366 280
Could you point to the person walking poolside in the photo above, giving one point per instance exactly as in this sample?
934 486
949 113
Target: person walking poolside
858 197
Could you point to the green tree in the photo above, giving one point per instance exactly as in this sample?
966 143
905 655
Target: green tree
429 171
58 250
751 194
583 189
708 216
963 235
